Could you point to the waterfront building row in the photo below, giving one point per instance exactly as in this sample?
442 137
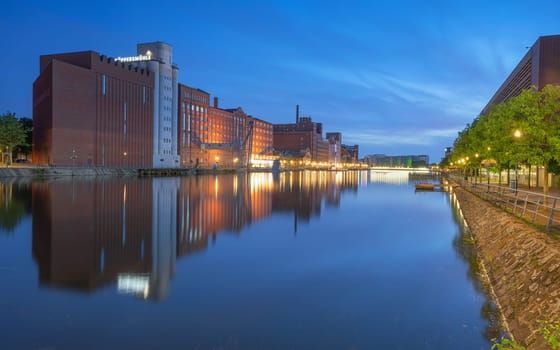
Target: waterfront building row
408 161
94 110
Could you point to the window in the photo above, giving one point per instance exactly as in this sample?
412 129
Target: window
144 94
104 84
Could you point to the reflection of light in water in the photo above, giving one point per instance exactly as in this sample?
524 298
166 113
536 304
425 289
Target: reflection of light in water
338 178
136 284
124 216
321 180
389 177
216 187
261 181
235 185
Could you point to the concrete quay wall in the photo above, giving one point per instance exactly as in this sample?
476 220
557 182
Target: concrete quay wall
523 266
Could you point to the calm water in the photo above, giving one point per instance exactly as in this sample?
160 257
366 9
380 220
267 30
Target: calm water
308 260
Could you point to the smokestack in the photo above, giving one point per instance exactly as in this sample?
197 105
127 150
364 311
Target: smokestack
297 114
215 102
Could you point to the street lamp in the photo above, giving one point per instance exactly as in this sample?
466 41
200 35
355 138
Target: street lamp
517 135
476 169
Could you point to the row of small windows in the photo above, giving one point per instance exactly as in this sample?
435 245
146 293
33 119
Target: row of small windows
194 97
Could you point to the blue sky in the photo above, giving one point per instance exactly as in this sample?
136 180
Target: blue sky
396 77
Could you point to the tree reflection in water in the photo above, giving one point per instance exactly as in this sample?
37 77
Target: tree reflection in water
15 204
465 246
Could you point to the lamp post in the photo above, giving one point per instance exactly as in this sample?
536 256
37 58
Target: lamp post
477 170
517 135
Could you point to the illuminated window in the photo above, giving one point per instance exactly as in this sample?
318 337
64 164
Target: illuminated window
104 84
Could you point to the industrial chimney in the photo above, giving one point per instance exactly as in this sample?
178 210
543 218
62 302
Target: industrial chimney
215 102
297 114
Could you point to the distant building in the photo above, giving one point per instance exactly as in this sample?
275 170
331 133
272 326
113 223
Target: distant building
261 143
193 124
350 153
539 67
303 136
448 151
335 147
406 161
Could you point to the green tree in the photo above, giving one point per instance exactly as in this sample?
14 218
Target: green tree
536 114
26 148
11 133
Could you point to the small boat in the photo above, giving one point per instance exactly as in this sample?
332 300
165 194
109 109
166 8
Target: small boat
425 186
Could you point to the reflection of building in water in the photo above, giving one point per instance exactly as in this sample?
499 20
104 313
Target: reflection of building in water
91 233
212 204
304 192
164 233
86 232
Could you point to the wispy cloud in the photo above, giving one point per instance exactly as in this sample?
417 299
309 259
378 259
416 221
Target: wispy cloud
390 137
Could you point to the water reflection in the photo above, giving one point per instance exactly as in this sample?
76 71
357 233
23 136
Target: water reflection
464 245
91 233
15 204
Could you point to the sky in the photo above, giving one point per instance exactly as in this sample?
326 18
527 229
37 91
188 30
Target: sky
396 77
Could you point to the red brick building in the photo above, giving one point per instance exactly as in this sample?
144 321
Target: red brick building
193 124
300 138
261 143
211 135
90 110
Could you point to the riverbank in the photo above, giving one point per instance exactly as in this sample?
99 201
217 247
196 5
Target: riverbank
40 172
523 266
43 172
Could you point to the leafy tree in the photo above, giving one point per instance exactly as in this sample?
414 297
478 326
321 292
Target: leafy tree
11 132
536 114
25 148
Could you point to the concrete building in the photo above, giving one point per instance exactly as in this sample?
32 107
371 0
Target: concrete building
539 67
166 79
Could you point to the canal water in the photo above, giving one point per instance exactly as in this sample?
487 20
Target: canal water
302 260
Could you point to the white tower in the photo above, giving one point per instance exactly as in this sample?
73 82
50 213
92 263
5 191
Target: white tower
166 96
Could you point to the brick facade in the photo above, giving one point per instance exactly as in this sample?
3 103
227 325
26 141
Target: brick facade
89 110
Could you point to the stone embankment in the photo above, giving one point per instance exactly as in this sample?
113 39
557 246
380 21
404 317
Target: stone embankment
523 265
31 172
